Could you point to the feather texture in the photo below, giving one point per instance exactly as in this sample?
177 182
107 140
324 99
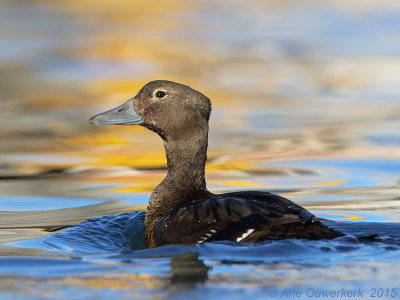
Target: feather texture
241 216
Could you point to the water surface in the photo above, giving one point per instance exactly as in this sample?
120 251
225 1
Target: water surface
305 103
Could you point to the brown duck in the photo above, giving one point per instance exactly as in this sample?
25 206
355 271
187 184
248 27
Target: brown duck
181 210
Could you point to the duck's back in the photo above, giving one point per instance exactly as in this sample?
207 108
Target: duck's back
242 217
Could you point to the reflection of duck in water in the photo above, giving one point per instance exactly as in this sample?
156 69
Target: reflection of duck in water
181 210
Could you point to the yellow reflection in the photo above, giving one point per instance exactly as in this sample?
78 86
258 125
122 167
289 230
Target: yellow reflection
136 188
334 183
233 182
116 282
140 207
136 160
95 139
347 217
229 165
111 86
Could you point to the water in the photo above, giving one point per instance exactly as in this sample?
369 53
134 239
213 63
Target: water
106 250
305 104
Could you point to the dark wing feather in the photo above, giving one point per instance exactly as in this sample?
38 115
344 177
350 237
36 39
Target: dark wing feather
227 217
279 202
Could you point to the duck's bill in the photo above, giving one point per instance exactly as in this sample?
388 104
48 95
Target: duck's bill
124 114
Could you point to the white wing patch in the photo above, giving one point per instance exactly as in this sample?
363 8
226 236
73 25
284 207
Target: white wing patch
206 236
245 235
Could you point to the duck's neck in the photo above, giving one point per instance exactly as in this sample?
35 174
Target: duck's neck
186 162
186 157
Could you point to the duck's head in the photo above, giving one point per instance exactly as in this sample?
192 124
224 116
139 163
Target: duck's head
168 108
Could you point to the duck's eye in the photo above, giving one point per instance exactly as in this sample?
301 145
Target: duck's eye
160 94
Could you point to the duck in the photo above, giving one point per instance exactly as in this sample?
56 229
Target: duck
181 210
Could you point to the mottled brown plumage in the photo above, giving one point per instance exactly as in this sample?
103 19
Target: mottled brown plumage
181 210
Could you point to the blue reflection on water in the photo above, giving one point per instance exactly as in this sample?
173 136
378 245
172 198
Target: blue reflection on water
115 245
124 233
42 203
133 199
388 165
354 172
115 233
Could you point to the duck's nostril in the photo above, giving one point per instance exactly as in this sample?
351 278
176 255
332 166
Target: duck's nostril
121 109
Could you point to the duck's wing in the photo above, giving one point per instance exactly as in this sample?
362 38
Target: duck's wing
275 201
233 216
